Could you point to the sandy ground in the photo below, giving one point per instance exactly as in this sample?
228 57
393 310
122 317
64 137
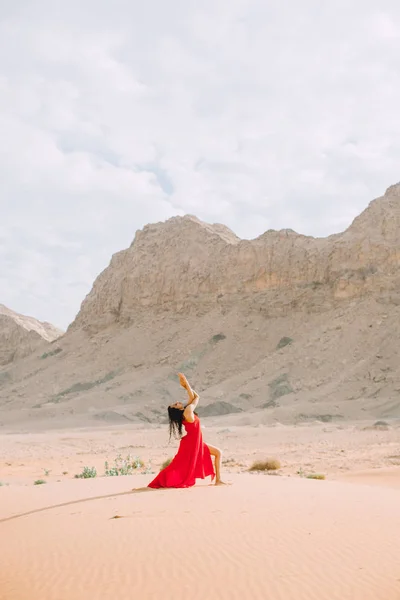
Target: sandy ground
265 537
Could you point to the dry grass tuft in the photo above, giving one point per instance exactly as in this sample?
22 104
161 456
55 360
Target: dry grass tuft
316 476
271 464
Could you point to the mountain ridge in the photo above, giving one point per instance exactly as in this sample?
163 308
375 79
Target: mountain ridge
283 328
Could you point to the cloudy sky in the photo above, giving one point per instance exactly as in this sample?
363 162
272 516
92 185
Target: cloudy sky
255 113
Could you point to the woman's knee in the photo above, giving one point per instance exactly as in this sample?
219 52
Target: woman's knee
215 451
218 453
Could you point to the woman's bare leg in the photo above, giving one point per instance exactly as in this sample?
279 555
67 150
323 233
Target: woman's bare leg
217 454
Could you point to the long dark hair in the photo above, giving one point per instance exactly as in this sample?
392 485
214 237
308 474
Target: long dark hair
176 418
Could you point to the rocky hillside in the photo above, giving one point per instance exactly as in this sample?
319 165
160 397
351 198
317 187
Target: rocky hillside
282 328
21 335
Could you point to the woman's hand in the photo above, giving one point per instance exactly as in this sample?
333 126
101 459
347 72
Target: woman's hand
193 397
183 381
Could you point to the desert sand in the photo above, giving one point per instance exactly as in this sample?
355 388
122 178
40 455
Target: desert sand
274 536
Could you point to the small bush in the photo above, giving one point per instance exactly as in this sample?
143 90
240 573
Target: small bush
232 462
310 475
271 464
280 387
52 353
218 338
123 466
378 426
39 482
285 341
87 473
166 463
381 425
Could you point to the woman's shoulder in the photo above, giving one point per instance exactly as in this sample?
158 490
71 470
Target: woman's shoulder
191 418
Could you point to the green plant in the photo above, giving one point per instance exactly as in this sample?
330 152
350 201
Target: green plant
280 387
271 464
46 472
123 466
166 463
302 473
52 353
285 341
87 473
39 482
147 470
217 338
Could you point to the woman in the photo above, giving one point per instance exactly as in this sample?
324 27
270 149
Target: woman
193 460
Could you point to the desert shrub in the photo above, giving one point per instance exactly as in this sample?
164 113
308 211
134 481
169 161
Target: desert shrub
285 341
123 466
270 404
218 338
381 425
87 473
232 462
166 463
39 482
310 475
271 464
280 387
52 353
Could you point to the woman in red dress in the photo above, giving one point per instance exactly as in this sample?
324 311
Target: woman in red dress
193 460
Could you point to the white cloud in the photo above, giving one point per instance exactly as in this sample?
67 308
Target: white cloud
253 113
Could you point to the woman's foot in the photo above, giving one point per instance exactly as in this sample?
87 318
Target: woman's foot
220 482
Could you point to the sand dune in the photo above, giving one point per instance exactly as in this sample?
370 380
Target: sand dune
275 538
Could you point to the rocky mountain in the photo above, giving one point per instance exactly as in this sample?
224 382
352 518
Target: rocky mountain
21 335
189 267
283 328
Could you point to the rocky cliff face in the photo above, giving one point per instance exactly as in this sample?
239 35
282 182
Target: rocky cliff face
283 328
20 335
187 267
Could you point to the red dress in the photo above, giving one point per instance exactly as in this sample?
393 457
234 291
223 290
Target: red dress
193 461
